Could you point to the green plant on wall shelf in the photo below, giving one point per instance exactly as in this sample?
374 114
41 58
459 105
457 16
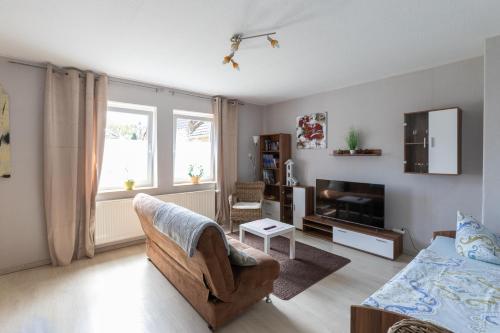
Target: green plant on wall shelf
352 140
195 172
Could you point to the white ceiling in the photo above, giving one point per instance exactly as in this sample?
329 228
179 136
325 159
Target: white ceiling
324 44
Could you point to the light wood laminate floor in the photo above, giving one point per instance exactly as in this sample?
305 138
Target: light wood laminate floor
121 291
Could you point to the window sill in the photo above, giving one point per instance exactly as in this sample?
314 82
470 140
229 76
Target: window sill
208 182
120 190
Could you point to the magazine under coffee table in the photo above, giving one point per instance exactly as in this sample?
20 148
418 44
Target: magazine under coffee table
281 229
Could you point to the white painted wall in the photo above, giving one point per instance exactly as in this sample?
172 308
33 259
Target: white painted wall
491 154
22 225
421 203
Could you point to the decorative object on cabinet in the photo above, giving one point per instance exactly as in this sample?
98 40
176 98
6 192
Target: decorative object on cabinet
359 152
296 202
433 142
352 140
274 150
290 179
311 131
5 164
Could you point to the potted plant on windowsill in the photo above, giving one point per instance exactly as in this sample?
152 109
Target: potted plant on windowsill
195 172
352 141
129 184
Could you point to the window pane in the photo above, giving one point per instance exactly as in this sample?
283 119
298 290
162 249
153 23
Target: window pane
126 150
193 146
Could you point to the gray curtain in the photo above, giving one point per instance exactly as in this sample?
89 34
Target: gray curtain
226 129
74 128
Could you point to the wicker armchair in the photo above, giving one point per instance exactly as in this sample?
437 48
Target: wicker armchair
416 326
246 202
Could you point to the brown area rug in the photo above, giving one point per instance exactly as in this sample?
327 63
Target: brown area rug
296 275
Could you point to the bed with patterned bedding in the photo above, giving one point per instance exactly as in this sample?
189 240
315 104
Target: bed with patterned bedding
457 293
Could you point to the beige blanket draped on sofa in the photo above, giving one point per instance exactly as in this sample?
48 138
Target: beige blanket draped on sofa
74 129
226 127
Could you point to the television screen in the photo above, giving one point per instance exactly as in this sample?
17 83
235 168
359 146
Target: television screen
358 203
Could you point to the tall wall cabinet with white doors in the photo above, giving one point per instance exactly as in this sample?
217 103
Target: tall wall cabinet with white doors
433 142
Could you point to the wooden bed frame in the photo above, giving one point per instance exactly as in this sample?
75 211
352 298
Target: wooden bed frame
366 319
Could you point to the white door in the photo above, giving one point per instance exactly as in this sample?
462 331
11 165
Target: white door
443 141
299 206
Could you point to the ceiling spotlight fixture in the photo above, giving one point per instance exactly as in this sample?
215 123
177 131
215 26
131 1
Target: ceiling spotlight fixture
235 65
274 42
235 45
228 58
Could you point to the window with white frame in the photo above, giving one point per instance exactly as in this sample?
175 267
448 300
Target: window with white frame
193 145
129 146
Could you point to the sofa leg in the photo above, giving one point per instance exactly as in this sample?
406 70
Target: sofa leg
211 328
268 299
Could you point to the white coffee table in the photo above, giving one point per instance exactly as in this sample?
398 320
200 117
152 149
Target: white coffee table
281 229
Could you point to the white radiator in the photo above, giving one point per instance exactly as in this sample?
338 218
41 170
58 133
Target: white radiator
117 221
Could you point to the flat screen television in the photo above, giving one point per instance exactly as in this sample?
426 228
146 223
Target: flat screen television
359 203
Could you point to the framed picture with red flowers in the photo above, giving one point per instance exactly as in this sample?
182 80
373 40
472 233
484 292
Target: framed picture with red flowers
311 131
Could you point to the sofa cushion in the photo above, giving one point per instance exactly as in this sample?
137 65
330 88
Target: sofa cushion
239 257
246 205
473 240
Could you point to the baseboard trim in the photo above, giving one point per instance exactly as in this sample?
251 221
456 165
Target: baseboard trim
23 267
99 249
120 244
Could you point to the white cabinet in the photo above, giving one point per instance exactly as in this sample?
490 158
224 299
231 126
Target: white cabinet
271 209
433 142
299 206
443 141
368 243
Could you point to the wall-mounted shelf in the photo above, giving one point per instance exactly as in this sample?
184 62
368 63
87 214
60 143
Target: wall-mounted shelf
361 152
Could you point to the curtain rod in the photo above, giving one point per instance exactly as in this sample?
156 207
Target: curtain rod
157 88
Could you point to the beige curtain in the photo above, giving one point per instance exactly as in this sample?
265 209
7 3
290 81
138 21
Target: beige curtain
74 128
226 127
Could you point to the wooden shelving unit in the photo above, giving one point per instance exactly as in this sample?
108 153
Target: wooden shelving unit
274 151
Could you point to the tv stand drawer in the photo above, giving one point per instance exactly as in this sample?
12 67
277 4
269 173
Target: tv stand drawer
365 242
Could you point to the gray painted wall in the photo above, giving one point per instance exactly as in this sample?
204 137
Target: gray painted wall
491 154
23 237
22 225
250 124
421 203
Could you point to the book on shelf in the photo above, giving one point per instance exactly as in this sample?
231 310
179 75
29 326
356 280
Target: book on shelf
269 161
268 177
270 145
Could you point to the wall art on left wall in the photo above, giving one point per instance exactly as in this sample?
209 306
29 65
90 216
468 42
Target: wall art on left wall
4 135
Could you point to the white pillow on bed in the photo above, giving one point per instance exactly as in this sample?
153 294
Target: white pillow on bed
473 240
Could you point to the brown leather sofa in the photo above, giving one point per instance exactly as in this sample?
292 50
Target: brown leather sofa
217 290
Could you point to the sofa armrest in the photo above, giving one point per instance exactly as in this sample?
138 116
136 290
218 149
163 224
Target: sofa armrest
444 233
267 268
